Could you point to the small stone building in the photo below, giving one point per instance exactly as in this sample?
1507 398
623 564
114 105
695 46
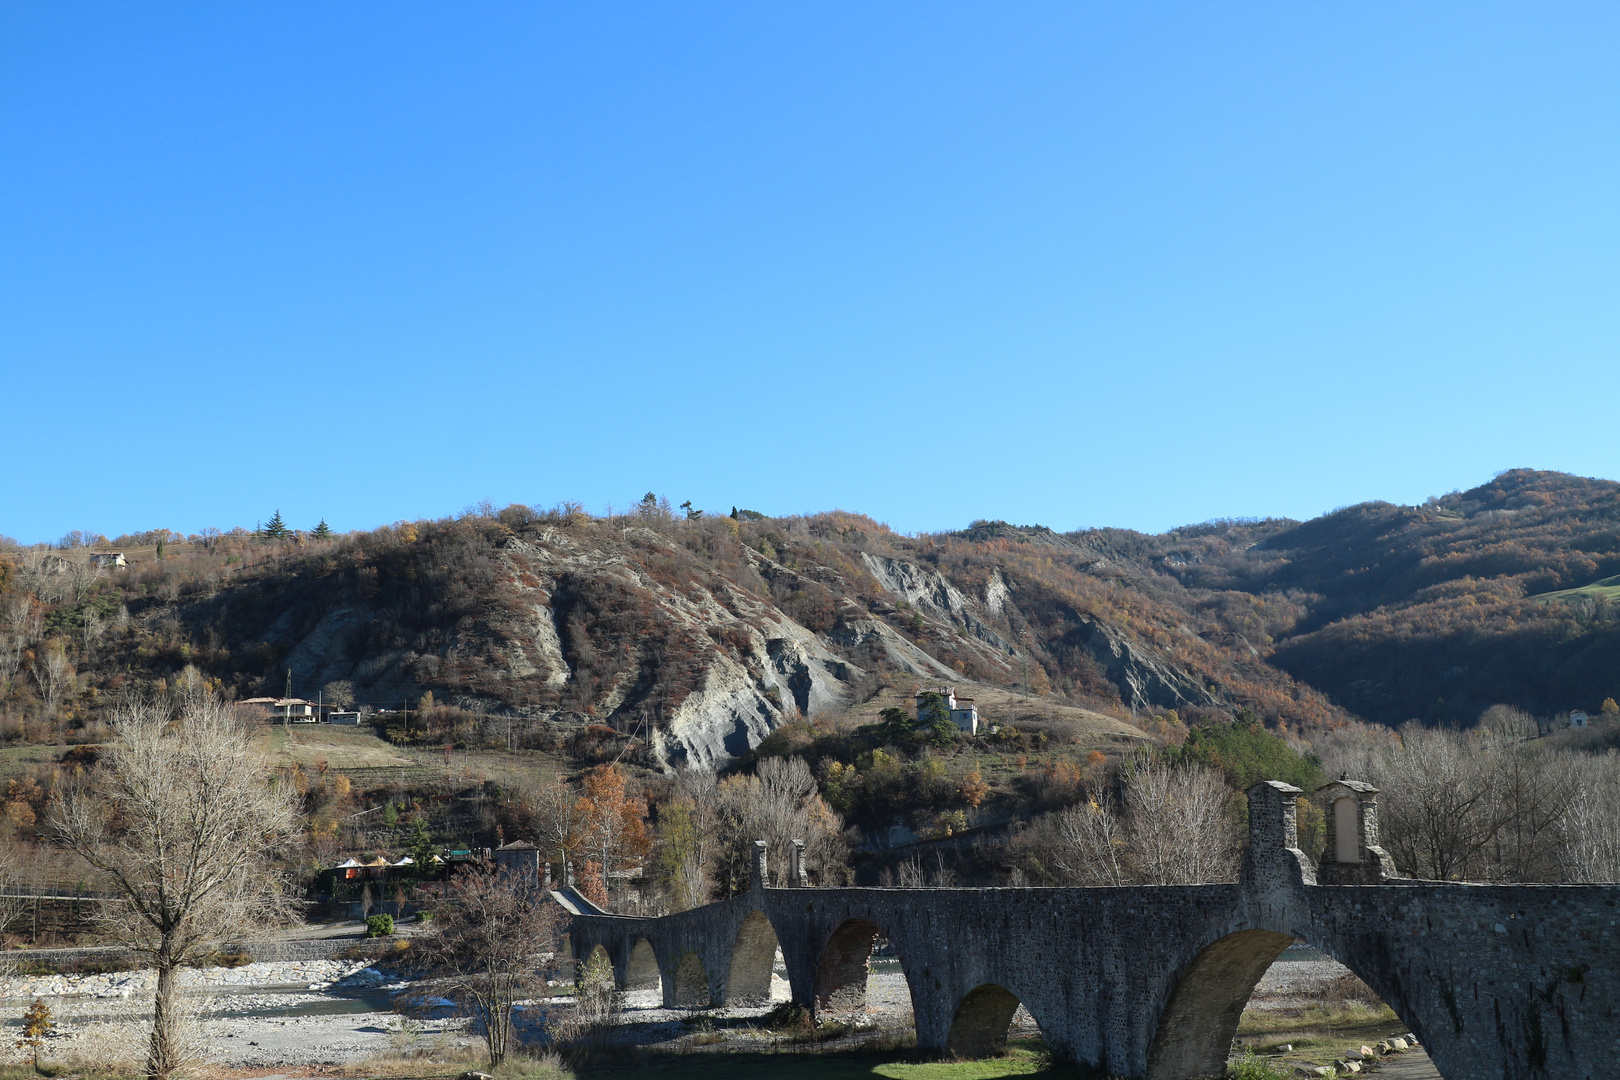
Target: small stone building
521 860
964 714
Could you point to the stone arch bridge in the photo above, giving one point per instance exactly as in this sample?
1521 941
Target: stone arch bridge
1496 981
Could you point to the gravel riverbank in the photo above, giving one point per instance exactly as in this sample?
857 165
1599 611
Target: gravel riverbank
318 1012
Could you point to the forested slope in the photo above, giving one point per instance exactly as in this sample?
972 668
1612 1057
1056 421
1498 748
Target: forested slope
1435 612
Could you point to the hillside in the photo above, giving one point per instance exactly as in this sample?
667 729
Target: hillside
1435 612
674 640
694 638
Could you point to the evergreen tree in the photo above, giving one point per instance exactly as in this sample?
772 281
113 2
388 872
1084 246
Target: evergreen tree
323 531
1247 753
276 529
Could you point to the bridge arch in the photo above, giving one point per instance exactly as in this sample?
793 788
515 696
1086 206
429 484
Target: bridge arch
979 1028
692 983
843 966
1200 1018
753 959
641 972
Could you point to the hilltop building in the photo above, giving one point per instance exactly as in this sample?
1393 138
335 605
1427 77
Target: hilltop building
964 714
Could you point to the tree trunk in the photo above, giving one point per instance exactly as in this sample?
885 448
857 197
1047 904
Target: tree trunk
161 1054
498 1023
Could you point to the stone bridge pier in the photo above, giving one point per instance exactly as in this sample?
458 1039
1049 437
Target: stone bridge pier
1497 981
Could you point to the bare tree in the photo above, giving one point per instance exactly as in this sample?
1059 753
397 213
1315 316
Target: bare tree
91 632
1438 800
52 673
556 821
44 574
1091 844
1591 825
778 804
339 693
1531 793
19 624
1181 826
180 817
493 943
1492 804
82 577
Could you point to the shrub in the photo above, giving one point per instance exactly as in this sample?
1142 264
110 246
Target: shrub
379 925
788 1017
1249 1067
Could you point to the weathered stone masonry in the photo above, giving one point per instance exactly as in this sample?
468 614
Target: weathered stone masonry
1497 981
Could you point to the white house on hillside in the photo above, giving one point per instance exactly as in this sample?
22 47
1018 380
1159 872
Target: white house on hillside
963 712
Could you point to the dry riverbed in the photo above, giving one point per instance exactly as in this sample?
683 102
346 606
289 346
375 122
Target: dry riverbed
322 1012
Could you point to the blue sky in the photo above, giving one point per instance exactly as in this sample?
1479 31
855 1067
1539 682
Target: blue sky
1075 263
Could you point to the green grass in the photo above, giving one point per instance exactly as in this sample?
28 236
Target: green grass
77 1071
1019 1060
1320 1034
1606 589
340 747
17 760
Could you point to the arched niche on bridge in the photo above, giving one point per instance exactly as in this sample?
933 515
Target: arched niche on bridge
753 958
979 1028
843 967
691 983
641 973
1200 1021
